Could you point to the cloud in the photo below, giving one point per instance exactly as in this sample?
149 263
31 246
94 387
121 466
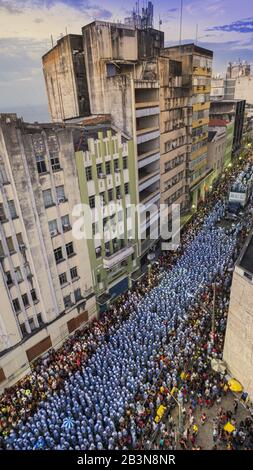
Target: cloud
20 6
172 10
239 26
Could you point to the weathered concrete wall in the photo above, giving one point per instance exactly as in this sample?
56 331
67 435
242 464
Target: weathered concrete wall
238 349
65 77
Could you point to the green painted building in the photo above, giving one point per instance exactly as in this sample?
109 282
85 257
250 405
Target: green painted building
106 167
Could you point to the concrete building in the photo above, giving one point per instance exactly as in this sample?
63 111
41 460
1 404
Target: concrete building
238 349
217 89
232 110
107 170
65 79
197 73
216 149
45 280
219 124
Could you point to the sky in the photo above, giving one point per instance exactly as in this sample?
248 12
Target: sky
26 26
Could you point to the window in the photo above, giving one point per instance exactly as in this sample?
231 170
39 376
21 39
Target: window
12 209
19 274
98 252
32 324
118 192
10 244
20 239
41 165
73 273
126 188
78 295
8 279
70 249
125 163
53 229
34 295
63 279
2 213
88 172
58 255
16 305
92 202
94 228
99 169
60 194
67 301
28 270
107 249
1 249
3 174
116 165
47 197
110 195
25 300
55 162
23 330
39 318
102 199
120 216
108 168
65 223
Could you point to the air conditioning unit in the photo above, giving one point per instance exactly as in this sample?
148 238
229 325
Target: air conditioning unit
62 199
101 176
22 246
66 227
53 233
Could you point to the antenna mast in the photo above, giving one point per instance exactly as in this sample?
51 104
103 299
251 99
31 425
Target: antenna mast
181 23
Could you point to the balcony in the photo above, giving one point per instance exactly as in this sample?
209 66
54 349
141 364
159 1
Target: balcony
111 261
148 179
147 111
154 157
145 135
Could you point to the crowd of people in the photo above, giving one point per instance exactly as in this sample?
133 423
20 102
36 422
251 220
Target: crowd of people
102 388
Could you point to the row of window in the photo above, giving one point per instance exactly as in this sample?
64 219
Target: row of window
32 325
173 181
108 168
59 255
175 196
53 225
198 145
10 244
174 163
73 274
54 162
204 114
173 144
12 210
3 174
18 274
48 197
110 195
68 300
25 300
117 245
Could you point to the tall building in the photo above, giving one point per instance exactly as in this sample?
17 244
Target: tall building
230 110
217 124
106 167
197 73
65 79
238 349
217 89
217 139
45 280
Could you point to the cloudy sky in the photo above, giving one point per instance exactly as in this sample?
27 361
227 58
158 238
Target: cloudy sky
226 26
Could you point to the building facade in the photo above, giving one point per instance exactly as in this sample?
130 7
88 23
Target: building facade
197 73
45 281
65 78
232 110
217 140
107 171
238 348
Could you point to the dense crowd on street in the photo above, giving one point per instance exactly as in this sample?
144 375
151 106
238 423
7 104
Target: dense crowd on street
103 387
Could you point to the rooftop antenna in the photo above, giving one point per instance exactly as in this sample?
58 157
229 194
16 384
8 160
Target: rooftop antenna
52 40
197 33
181 23
66 30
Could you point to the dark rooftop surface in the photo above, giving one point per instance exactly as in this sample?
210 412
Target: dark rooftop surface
246 261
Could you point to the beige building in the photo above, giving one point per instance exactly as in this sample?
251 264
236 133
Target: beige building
45 281
197 73
238 349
